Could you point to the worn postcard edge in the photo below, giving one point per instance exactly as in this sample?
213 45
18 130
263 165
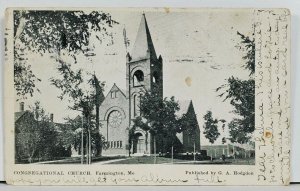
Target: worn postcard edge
269 169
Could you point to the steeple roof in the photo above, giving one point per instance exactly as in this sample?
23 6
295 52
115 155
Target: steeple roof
143 43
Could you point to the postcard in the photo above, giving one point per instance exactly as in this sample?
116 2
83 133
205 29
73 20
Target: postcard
147 96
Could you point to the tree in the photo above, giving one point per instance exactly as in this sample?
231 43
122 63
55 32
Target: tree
158 116
236 135
58 33
26 138
98 98
249 45
82 99
242 98
70 134
241 94
37 137
211 131
66 33
49 32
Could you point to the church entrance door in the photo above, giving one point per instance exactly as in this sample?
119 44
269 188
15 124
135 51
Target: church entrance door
139 144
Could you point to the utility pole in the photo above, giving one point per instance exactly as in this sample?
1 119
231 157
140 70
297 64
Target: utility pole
233 152
90 147
87 141
87 149
154 143
194 151
82 153
172 154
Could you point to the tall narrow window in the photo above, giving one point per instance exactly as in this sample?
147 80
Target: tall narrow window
120 144
155 77
113 94
134 105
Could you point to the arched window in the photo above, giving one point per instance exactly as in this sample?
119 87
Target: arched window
138 78
115 119
155 77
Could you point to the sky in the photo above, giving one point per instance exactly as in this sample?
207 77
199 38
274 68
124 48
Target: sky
199 53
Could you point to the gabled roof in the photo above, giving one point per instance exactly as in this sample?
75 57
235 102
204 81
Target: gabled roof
78 117
115 88
143 43
180 137
19 114
184 107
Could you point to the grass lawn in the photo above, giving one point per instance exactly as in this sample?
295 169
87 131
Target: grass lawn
146 160
77 160
150 160
163 160
250 161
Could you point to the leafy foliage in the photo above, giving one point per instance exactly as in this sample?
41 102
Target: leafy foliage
237 135
210 127
80 99
242 98
71 135
241 94
162 116
24 78
250 52
47 31
37 138
50 32
158 116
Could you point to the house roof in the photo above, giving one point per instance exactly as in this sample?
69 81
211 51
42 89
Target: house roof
143 43
78 117
19 114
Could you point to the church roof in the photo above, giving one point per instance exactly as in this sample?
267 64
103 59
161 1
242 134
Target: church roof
116 88
143 43
184 107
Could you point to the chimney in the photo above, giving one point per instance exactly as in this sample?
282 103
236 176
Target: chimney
51 117
21 106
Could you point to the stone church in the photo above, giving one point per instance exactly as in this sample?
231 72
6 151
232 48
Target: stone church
144 69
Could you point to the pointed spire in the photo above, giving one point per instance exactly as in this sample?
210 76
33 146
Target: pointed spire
143 47
191 107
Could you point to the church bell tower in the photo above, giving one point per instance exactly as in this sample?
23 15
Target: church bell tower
144 70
